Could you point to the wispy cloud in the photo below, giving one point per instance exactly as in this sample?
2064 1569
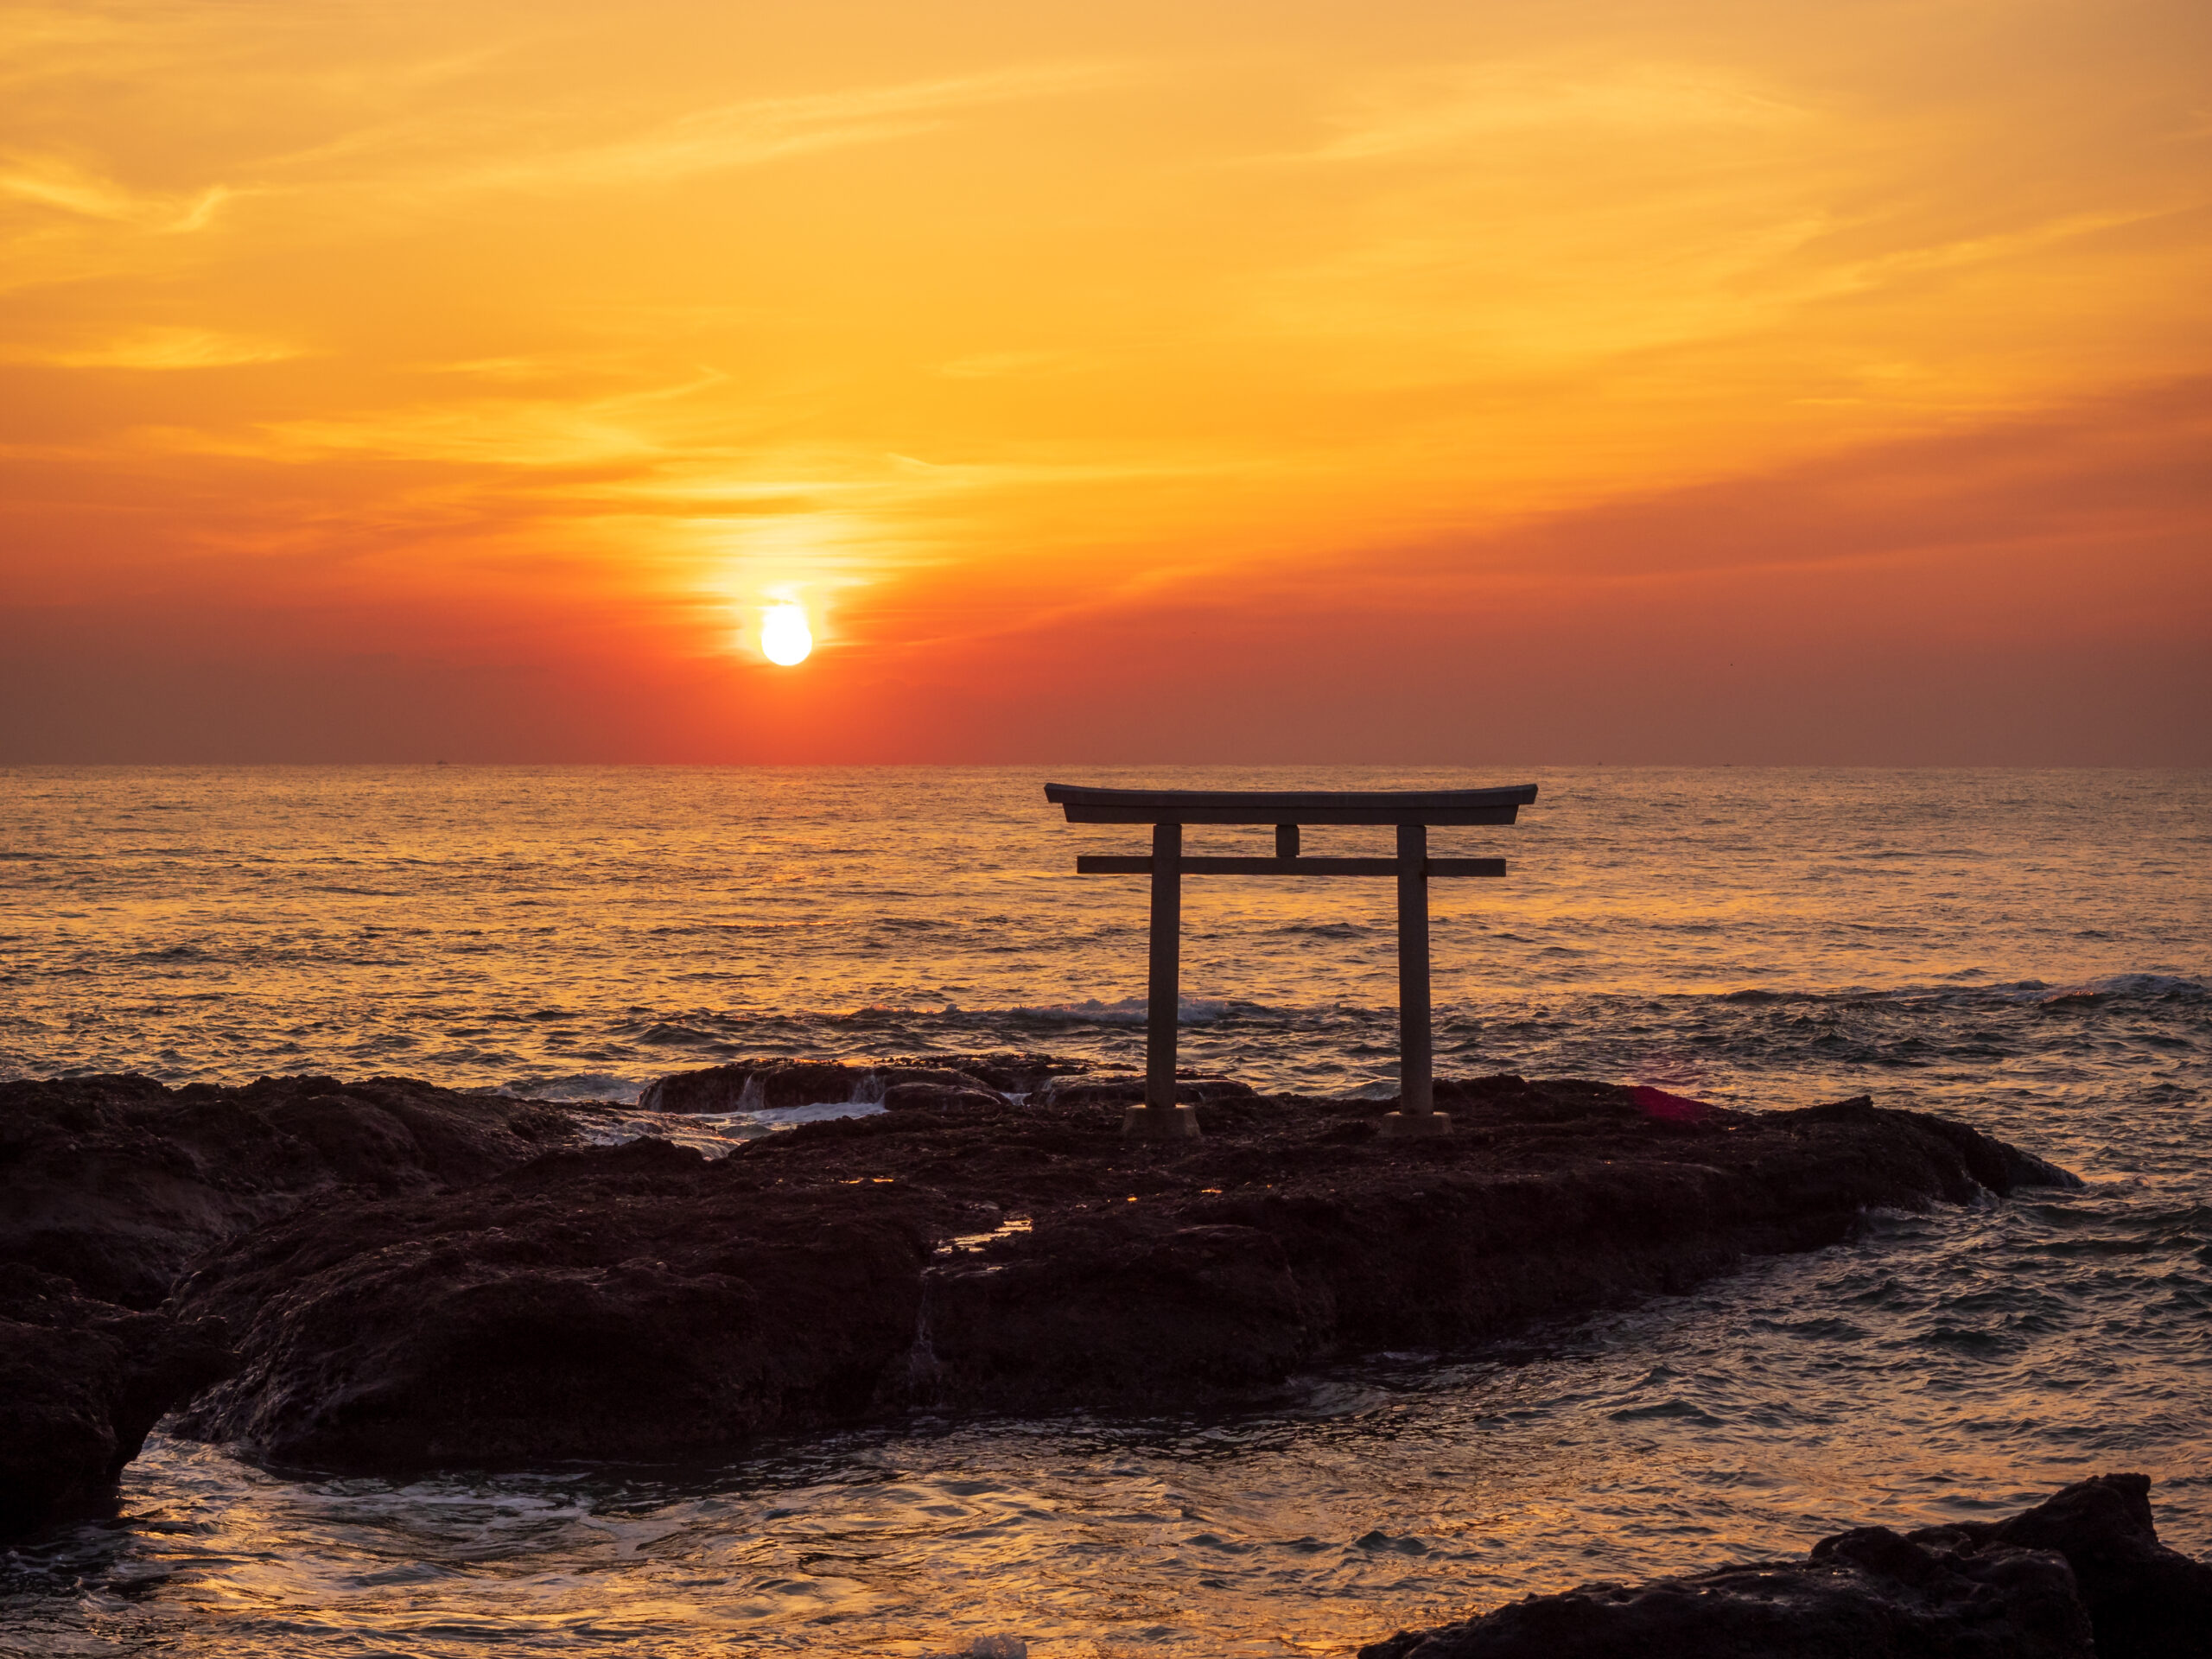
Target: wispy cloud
752 132
411 157
51 182
506 433
1448 108
158 348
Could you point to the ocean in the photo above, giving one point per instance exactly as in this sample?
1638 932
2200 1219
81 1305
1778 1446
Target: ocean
2029 951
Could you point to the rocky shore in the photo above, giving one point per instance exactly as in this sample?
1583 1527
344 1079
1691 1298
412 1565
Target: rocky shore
381 1276
2081 1576
958 1252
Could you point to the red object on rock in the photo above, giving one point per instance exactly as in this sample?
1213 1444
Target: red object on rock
1669 1109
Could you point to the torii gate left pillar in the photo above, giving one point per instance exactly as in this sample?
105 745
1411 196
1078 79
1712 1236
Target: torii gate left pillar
1168 810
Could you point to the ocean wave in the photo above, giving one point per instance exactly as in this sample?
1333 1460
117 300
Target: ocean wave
2143 986
2137 987
717 1134
675 1034
1134 1011
873 1013
679 928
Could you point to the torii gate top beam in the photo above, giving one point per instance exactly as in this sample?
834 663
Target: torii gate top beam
1440 807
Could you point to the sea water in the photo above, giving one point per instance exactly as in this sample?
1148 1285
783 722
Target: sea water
2028 952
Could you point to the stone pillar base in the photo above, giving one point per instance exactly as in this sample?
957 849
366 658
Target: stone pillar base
1161 1123
1401 1126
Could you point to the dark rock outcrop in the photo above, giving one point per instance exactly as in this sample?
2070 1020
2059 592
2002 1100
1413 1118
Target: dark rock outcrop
615 1302
2081 1576
115 1183
776 1084
618 1302
1115 1315
2005 1604
82 1382
1990 1162
2146 1601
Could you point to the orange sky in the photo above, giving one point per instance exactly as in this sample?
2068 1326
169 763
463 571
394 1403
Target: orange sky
1401 381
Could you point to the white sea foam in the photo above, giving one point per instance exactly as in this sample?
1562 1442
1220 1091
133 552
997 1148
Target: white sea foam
784 1117
1133 1011
592 1085
719 1134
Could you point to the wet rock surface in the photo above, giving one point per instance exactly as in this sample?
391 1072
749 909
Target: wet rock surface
1191 1090
965 1253
82 1382
115 1183
2081 1576
941 1097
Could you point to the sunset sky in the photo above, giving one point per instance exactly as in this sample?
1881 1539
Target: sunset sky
1405 380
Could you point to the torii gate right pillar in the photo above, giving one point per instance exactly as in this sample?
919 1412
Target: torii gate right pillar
1417 1113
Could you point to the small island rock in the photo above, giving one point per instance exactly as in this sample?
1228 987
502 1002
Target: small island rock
630 1301
2080 1576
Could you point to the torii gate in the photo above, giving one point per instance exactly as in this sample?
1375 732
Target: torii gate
1168 809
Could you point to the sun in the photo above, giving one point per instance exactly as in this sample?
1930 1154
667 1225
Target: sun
785 638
